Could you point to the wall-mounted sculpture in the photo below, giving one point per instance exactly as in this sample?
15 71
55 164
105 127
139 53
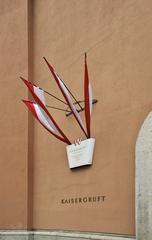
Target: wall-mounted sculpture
81 152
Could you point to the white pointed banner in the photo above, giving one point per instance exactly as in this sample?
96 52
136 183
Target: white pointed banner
44 119
87 98
40 93
67 97
42 107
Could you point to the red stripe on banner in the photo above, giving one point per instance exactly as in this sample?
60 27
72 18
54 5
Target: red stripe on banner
87 97
57 81
30 87
30 106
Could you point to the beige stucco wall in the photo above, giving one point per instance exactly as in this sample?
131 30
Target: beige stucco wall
14 119
117 36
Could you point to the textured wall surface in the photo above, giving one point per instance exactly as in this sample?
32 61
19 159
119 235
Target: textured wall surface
57 235
144 180
14 119
117 36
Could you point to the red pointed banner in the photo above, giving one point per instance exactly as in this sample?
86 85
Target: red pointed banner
67 98
43 118
41 113
88 98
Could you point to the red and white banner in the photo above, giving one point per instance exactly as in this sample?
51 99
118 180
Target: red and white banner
41 113
87 98
44 119
68 98
37 92
40 93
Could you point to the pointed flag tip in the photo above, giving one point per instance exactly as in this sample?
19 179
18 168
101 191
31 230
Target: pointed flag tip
22 78
49 65
27 102
85 54
45 59
24 101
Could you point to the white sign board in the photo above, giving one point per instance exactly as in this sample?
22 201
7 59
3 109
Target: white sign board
81 154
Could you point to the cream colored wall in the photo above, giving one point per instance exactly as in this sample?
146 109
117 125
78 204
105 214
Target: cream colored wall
14 119
117 35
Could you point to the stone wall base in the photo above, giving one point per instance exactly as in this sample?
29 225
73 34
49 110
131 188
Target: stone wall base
59 235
